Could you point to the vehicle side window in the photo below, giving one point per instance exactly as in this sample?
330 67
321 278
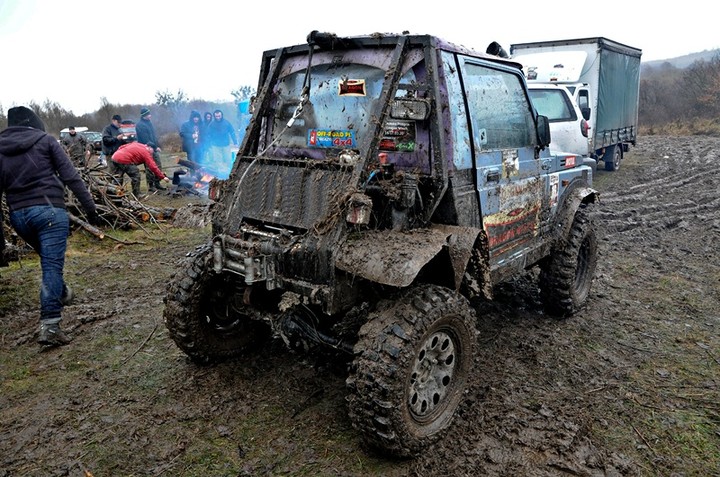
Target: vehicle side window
498 108
554 104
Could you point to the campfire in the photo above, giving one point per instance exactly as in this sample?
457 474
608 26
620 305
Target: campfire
192 180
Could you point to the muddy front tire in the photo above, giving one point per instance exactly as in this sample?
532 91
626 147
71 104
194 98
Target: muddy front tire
204 313
411 367
566 276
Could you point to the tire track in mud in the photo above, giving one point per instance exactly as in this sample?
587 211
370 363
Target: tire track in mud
545 389
677 191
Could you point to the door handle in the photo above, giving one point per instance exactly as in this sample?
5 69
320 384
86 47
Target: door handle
492 176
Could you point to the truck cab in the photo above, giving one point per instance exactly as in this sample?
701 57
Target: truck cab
568 126
556 93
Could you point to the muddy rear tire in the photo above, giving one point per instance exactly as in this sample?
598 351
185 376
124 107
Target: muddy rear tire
411 367
566 276
204 314
612 158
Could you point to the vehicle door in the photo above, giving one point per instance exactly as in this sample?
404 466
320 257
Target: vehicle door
502 136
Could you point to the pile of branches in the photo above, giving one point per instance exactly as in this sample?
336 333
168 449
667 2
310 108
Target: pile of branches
117 206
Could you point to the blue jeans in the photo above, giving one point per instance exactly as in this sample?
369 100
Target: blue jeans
46 229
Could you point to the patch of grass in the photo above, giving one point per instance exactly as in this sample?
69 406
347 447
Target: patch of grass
686 127
20 283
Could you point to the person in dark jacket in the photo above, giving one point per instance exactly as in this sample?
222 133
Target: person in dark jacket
34 171
207 120
190 135
146 135
112 140
76 147
220 136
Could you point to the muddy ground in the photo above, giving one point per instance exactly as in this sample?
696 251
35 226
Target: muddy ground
629 386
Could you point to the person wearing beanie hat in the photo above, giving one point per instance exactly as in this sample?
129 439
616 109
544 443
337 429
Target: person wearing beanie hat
22 116
146 135
34 171
112 140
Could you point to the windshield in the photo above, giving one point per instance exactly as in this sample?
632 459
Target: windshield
345 88
553 103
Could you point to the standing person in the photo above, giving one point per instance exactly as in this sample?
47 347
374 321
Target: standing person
146 135
207 120
75 145
111 141
34 171
190 135
131 154
221 137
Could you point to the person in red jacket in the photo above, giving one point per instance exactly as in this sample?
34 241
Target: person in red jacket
131 154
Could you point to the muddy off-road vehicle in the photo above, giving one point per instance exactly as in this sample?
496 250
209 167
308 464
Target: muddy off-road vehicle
383 182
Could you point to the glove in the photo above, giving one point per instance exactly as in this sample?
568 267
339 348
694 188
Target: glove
166 179
93 218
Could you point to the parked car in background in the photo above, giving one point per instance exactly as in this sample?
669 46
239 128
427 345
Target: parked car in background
94 140
78 129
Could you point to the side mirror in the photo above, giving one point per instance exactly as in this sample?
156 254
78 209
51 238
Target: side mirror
543 131
585 113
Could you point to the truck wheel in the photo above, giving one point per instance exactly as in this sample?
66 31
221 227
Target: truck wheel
205 315
565 277
411 367
612 157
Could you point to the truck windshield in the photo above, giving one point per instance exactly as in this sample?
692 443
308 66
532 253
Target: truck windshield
553 103
345 87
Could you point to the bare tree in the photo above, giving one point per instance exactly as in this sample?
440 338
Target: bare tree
701 88
242 93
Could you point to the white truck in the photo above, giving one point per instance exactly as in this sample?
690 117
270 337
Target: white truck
601 77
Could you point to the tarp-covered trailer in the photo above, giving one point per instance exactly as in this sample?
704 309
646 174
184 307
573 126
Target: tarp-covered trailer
604 78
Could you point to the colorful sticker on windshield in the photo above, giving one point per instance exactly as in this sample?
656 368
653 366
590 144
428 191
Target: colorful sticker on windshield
398 136
351 87
331 138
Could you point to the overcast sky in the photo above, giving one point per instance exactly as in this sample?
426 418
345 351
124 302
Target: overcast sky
74 52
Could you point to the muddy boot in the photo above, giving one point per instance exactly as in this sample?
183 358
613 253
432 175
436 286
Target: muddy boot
52 335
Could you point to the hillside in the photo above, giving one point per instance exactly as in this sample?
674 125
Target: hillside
685 60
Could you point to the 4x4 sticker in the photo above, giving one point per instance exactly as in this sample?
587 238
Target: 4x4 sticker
331 138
